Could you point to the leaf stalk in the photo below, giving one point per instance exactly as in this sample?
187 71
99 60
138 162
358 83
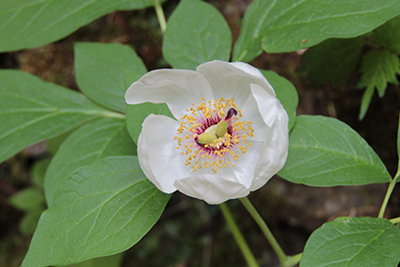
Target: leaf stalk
160 15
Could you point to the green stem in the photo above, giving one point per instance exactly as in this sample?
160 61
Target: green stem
292 260
248 255
395 220
160 16
387 196
256 216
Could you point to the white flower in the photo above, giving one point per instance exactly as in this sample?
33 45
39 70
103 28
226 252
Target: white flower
229 136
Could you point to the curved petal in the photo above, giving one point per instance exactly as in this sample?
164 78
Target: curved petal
249 69
145 162
178 88
161 157
268 106
213 189
274 154
263 110
232 80
251 113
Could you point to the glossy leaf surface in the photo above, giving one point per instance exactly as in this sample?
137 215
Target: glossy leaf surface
326 152
93 141
100 210
353 242
196 33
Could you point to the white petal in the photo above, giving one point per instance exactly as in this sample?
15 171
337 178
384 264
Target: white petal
162 162
274 152
251 112
246 164
178 88
144 161
213 189
232 80
248 69
268 105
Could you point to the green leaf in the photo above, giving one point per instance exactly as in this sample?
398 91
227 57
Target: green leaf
32 110
135 115
30 220
39 171
333 60
285 92
31 23
110 261
100 210
93 141
326 152
27 199
105 71
353 242
366 99
388 35
196 33
378 68
289 25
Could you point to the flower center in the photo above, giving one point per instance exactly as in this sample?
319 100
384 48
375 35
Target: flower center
213 135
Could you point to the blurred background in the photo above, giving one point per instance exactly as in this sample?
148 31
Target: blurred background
190 232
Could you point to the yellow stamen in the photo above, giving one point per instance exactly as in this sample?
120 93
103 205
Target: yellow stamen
210 137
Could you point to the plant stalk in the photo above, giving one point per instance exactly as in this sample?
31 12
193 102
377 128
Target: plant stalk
248 255
264 228
387 196
395 220
292 260
160 15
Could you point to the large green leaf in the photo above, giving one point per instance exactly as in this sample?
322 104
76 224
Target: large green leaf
135 115
105 71
100 210
353 242
32 110
327 152
289 25
31 23
93 141
196 33
285 92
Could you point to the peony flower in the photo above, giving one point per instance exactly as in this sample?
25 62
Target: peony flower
229 135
